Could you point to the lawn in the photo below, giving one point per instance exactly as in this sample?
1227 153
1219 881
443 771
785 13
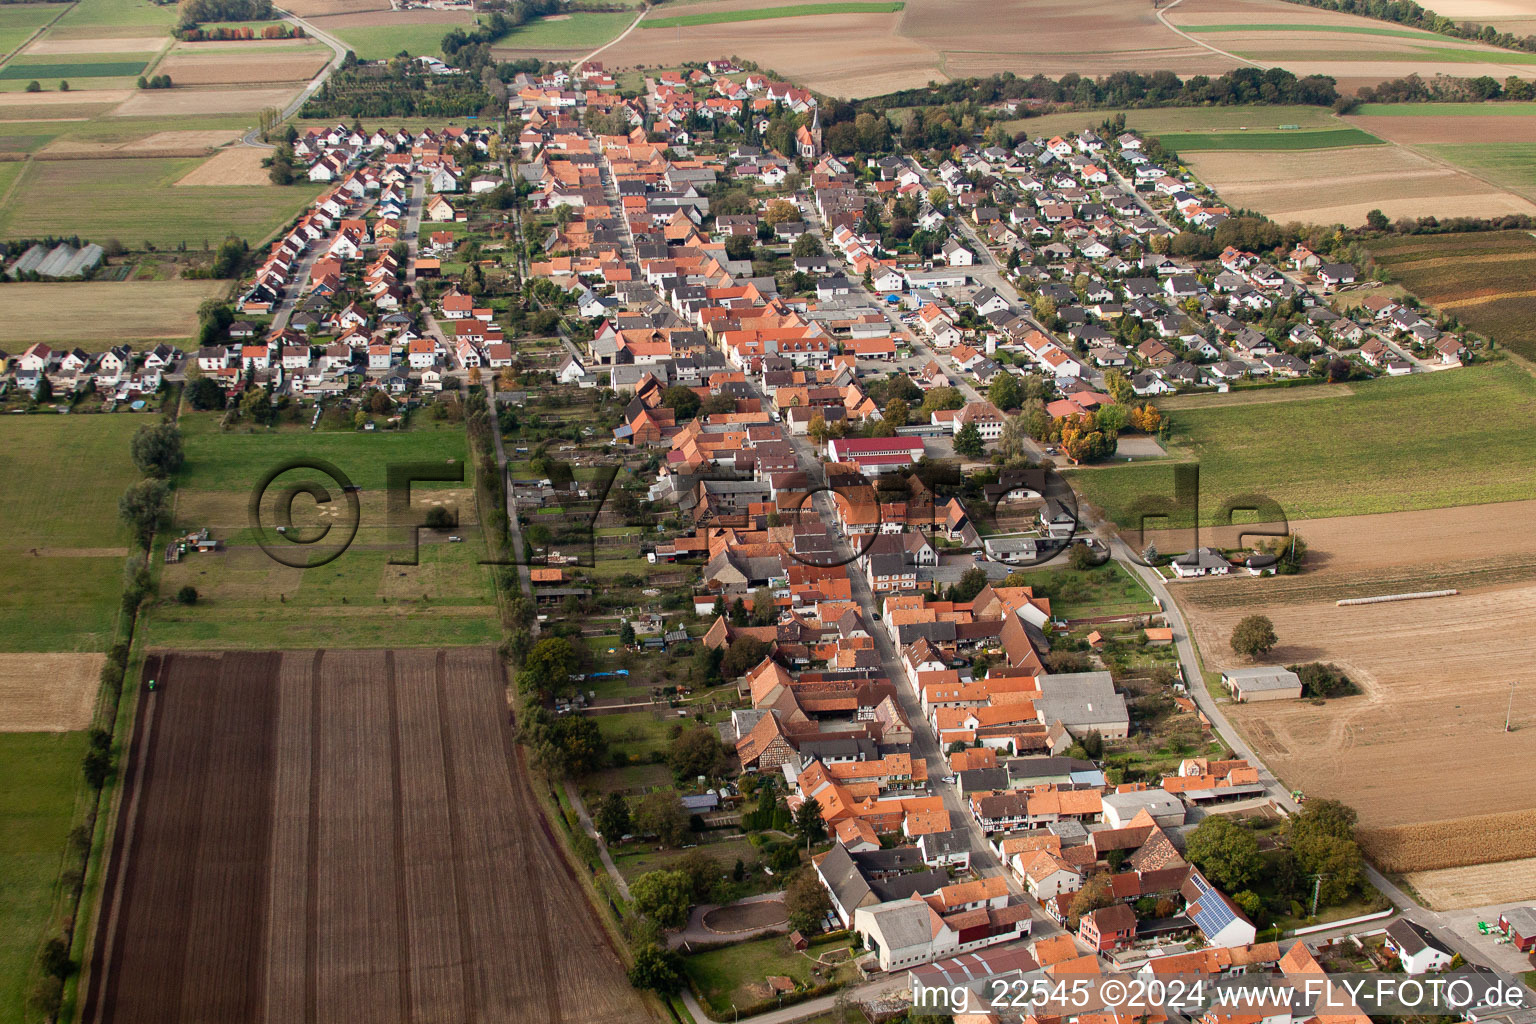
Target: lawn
579 31
635 859
638 733
1077 594
734 974
1482 277
1330 138
1392 445
19 21
136 200
42 773
22 68
768 13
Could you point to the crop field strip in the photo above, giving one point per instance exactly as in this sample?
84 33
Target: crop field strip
1328 138
369 811
770 13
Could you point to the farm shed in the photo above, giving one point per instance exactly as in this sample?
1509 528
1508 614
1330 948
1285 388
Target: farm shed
1263 682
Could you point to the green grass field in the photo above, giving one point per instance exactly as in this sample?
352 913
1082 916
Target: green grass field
1483 277
1491 109
1331 138
61 544
137 200
42 773
729 975
578 32
1366 30
19 21
377 42
1426 441
248 600
1429 54
100 18
1511 164
1158 120
21 68
769 13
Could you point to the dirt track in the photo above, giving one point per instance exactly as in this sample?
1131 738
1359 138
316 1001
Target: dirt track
341 836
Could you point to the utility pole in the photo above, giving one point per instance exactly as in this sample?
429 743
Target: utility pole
1509 712
1317 887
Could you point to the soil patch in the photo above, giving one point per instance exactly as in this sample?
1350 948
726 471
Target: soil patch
746 917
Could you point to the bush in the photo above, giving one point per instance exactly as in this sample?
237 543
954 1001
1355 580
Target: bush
187 595
439 518
1320 680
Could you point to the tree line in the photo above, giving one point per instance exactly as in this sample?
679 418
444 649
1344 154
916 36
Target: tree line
472 49
1406 12
194 11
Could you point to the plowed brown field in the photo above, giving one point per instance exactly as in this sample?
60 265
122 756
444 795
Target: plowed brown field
317 836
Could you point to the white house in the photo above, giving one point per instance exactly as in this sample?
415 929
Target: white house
1419 951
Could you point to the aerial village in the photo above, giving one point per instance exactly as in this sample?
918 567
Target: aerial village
839 385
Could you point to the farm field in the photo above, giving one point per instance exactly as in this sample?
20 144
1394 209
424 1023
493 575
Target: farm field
63 548
42 773
1164 120
246 599
229 68
379 35
1477 885
203 102
1429 676
23 68
316 781
1328 138
48 692
133 200
1340 186
98 314
1388 445
19 21
1484 278
579 31
238 165
769 13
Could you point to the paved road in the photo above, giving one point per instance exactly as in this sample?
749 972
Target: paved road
1170 26
338 54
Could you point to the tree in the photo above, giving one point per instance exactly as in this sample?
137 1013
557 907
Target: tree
205 393
817 429
1322 837
738 612
897 412
1095 894
627 634
187 595
1254 635
765 611
681 400
739 247
806 245
661 814
613 821
1227 852
807 901
663 896
703 872
968 442
63 86
742 656
1080 556
657 969
779 211
142 507
808 822
548 667
157 449
697 752
1005 392
972 582
34 86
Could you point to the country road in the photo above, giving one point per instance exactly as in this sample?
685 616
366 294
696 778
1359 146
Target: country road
338 55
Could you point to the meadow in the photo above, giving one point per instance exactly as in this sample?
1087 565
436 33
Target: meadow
1481 277
94 315
19 21
42 773
1491 109
1511 164
21 68
1367 30
135 201
1331 138
769 13
1381 446
247 600
379 42
580 31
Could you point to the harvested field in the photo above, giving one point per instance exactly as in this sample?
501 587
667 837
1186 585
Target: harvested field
324 835
1342 185
848 55
50 45
238 165
173 102
1449 844
48 692
1476 885
232 68
324 8
1464 128
44 103
90 311
164 144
